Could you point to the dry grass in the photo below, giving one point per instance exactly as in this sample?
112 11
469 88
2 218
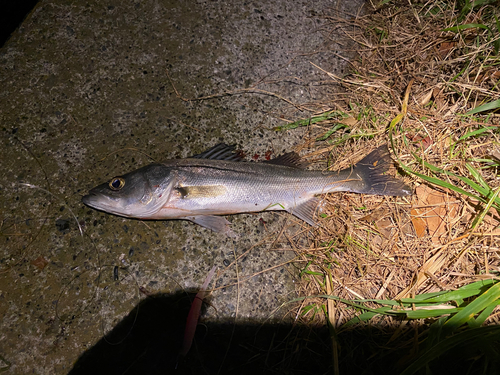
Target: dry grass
411 87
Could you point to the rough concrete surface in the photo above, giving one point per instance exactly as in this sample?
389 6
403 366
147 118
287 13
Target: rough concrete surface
86 95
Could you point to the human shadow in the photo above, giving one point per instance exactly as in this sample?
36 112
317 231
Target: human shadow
148 340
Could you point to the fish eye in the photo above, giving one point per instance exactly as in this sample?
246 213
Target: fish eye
116 183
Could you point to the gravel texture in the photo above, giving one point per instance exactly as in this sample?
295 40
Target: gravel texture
87 94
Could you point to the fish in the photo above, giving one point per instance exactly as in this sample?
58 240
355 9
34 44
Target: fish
219 182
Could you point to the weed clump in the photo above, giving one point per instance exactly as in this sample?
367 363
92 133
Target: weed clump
421 270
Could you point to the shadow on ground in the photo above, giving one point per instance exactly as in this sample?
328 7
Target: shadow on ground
148 339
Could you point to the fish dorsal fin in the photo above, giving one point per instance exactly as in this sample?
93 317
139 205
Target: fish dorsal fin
290 159
220 152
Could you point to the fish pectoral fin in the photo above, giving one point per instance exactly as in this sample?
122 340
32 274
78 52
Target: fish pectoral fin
307 211
215 223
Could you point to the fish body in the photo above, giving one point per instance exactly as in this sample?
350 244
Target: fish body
203 187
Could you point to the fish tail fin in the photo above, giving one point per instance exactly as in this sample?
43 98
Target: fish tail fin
370 175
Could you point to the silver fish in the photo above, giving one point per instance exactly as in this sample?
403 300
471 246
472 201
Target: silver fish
217 182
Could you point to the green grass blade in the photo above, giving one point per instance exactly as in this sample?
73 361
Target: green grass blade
476 132
467 337
477 176
425 314
475 323
379 301
366 316
461 72
485 107
480 285
485 192
312 120
382 3
387 310
381 310
305 310
486 299
435 169
463 292
423 297
360 318
479 219
331 131
458 28
314 273
305 268
443 184
446 297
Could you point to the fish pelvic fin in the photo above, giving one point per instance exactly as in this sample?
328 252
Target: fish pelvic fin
370 175
216 223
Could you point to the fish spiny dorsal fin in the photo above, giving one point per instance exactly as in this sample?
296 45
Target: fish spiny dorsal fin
290 159
220 152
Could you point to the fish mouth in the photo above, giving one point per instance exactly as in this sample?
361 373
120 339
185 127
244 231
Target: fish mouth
102 203
96 201
89 200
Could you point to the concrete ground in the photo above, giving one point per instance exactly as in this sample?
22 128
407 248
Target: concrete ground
87 93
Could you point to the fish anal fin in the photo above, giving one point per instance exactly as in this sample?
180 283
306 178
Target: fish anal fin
290 159
307 211
216 223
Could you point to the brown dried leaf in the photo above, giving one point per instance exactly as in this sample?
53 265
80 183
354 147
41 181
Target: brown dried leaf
434 211
426 98
349 121
385 227
445 48
418 223
375 215
426 142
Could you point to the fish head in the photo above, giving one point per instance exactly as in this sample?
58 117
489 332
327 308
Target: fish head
138 194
